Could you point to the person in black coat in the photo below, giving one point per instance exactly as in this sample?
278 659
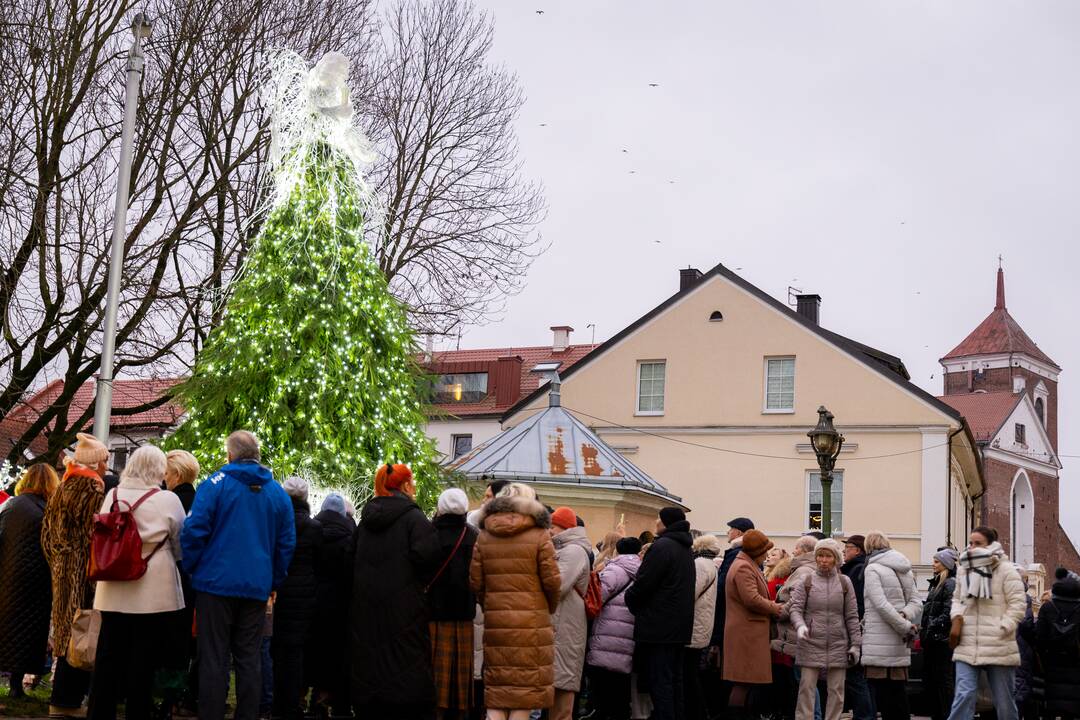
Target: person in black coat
938 673
325 661
294 606
394 554
178 672
1057 641
453 606
25 581
662 601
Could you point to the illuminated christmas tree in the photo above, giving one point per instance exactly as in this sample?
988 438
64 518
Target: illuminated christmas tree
313 354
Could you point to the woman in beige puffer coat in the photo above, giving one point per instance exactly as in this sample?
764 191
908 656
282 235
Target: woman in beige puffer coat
571 629
891 621
706 549
988 605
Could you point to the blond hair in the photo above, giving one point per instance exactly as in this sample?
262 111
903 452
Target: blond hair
182 464
39 479
607 549
875 541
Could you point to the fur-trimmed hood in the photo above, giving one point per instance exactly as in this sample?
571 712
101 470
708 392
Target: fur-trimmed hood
512 515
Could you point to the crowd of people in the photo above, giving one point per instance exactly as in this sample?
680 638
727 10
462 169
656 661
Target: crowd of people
506 612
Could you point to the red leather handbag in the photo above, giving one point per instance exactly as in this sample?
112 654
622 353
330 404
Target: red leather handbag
116 546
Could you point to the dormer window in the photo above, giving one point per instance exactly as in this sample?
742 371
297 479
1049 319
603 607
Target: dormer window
1040 410
461 388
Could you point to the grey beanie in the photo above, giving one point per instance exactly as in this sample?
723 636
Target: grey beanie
947 557
334 503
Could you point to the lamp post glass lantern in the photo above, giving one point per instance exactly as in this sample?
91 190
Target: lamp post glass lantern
826 442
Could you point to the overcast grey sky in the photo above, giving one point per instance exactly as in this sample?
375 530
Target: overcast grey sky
881 154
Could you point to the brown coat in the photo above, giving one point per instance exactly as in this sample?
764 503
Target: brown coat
746 630
516 578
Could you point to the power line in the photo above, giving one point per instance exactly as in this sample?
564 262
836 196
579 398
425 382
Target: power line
739 452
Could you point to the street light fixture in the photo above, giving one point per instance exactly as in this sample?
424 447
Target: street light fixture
140 30
827 443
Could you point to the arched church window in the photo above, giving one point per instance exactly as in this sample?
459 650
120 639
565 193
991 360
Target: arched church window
1040 410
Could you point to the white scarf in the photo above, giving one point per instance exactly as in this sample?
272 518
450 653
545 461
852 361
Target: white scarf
980 564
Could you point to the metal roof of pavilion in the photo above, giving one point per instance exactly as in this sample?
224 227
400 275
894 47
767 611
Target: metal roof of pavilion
554 446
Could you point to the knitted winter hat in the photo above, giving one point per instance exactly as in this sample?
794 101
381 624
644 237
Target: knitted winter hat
671 515
755 543
564 517
296 486
827 545
947 557
89 451
334 503
453 501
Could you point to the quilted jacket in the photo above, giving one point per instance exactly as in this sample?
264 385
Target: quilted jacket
25 592
612 643
989 633
829 610
892 607
571 628
516 579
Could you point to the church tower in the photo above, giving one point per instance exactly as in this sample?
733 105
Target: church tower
1007 390
998 356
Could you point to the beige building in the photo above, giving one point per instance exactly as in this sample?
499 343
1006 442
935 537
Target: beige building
713 391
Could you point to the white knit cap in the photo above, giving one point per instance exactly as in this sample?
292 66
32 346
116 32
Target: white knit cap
296 486
453 501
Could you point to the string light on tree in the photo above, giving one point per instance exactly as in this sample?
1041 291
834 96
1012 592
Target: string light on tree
313 354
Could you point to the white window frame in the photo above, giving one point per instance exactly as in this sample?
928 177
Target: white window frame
837 473
453 444
637 389
765 409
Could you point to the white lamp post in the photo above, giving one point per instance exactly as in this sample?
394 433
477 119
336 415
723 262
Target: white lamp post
140 28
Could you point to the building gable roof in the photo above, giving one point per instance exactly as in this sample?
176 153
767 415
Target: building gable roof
999 333
887 365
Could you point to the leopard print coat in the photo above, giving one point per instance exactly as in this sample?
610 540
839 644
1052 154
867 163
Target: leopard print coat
65 540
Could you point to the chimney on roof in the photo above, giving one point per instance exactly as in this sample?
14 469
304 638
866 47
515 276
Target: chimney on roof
687 277
562 337
809 306
429 348
1000 304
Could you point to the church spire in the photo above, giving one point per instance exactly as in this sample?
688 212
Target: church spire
1000 304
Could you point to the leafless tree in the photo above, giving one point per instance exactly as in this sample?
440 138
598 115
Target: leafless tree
460 227
459 232
200 142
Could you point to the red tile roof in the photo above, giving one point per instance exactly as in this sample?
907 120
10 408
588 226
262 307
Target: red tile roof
999 333
127 393
529 381
985 413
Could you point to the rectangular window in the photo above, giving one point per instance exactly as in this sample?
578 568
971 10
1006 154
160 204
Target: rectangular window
650 399
780 384
461 388
462 445
814 497
1021 434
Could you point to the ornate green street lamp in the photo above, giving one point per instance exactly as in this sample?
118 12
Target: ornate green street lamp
827 443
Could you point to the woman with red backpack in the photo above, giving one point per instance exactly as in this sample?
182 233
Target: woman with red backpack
135 612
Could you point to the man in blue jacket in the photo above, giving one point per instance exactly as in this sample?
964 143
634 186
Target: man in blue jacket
237 543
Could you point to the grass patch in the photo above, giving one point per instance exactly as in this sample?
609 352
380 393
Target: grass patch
34 704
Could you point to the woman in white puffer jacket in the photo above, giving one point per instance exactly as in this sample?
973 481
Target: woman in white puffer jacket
893 610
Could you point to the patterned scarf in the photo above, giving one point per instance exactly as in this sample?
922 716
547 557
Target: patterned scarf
979 563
